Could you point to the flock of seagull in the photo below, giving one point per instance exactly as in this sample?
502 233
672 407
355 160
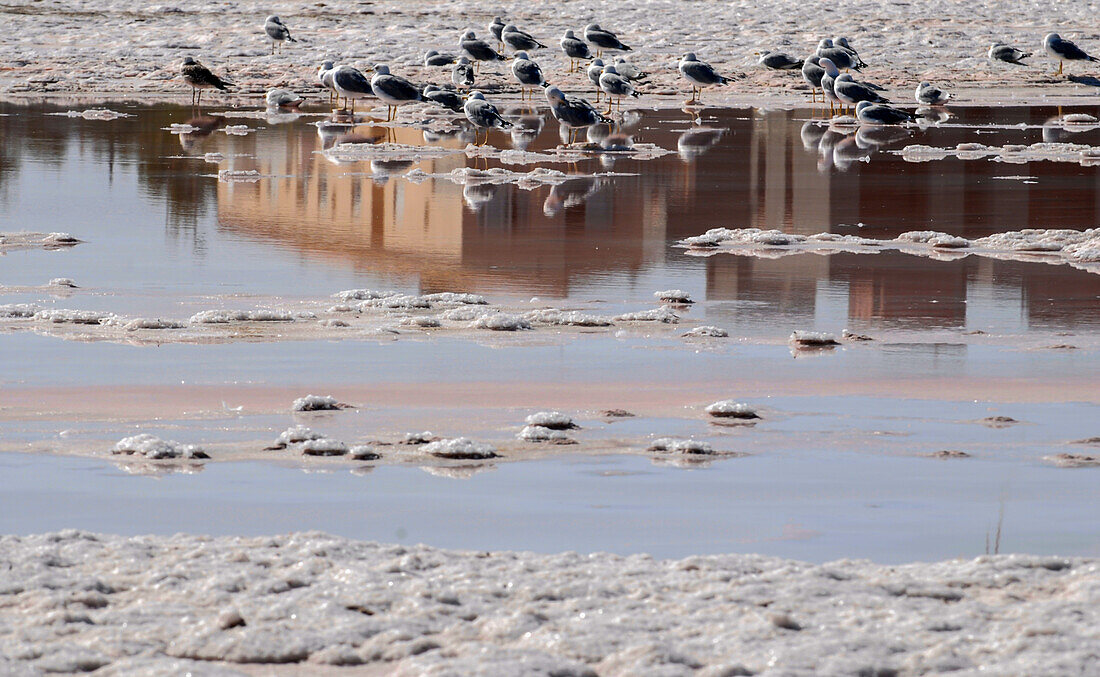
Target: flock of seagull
822 71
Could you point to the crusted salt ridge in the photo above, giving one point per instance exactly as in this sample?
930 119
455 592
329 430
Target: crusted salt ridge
536 178
677 296
322 447
682 446
93 114
538 433
68 316
554 420
316 403
310 599
153 447
294 435
662 314
17 241
706 331
731 409
574 318
239 175
362 152
461 448
1079 248
1077 153
229 316
501 322
140 323
813 339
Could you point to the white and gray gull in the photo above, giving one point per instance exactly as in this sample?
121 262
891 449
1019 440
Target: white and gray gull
842 58
812 72
595 70
496 28
448 98
615 86
629 70
842 43
324 76
574 48
478 50
483 115
779 61
999 51
1064 50
700 74
283 98
603 39
527 73
394 90
277 31
462 75
851 92
351 84
572 112
930 96
433 59
878 114
518 40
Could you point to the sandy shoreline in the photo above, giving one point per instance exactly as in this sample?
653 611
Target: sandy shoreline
145 605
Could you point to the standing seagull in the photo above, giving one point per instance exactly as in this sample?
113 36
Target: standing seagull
497 30
277 31
603 39
595 70
812 72
842 43
483 115
930 96
828 80
393 89
200 78
462 75
574 48
478 50
351 84
1002 52
1064 50
324 76
615 85
518 40
572 112
700 74
528 73
850 92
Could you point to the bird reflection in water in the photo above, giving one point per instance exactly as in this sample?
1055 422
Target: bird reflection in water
204 126
570 193
811 136
477 195
528 125
697 141
382 170
1055 129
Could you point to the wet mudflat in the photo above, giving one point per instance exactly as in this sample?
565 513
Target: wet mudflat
176 224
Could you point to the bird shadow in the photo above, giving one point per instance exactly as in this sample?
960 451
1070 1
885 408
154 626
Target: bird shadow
1085 80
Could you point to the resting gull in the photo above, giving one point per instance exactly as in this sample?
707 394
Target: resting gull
324 76
850 92
574 48
1007 53
603 39
496 28
629 70
478 50
615 85
518 40
812 73
930 96
462 75
283 98
483 115
448 98
840 57
434 58
779 61
878 114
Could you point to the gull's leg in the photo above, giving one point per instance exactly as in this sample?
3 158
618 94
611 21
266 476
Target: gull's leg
1059 66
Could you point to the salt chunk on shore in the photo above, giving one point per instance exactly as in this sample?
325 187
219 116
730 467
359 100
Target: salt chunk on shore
538 433
363 452
60 238
662 314
294 435
678 446
706 331
813 338
419 438
152 323
20 310
67 316
459 448
554 420
323 447
1074 460
153 447
63 282
731 409
363 294
673 296
1079 119
228 316
501 322
460 314
315 403
248 175
449 298
553 316
423 322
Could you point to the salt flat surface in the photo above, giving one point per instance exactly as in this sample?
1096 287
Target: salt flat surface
78 601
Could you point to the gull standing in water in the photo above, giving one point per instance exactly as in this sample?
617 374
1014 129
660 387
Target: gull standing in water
828 80
574 48
700 74
1064 50
812 72
483 115
478 50
394 90
595 70
615 85
518 40
603 39
930 96
324 76
433 58
1002 52
462 75
200 78
877 114
277 31
572 112
351 84
527 73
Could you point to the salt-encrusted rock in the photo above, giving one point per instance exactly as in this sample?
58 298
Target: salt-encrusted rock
538 433
294 435
333 322
422 322
677 296
731 409
19 310
1074 460
316 403
67 316
501 322
151 446
363 294
678 446
459 448
553 316
423 437
813 339
662 314
228 316
706 331
322 447
363 452
460 314
152 323
554 420
949 454
63 282
449 298
230 618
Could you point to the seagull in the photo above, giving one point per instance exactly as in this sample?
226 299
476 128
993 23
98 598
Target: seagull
842 43
463 73
324 76
478 50
200 78
528 73
700 74
519 40
931 96
447 98
842 58
497 29
351 84
877 114
812 73
1064 50
483 115
434 58
1002 52
850 92
392 89
779 61
572 112
595 70
828 80
277 31
603 39
283 98
629 70
574 48
615 85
